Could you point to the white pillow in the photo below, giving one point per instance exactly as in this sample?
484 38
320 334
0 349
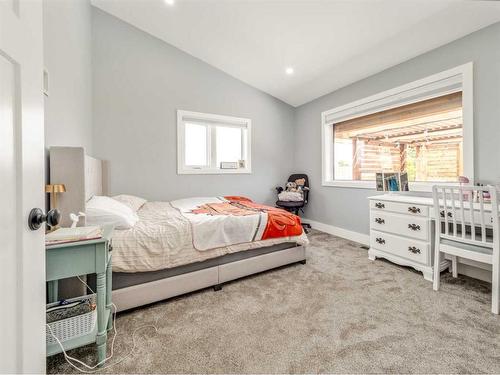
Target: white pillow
105 210
135 203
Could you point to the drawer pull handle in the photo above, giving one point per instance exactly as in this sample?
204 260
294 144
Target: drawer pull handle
379 220
380 240
413 249
379 205
414 210
414 226
442 214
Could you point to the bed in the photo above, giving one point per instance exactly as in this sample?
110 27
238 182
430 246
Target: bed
175 247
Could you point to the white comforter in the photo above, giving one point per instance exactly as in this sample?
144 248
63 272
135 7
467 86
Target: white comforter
210 232
162 238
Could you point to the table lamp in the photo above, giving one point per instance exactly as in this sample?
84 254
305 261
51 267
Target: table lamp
54 189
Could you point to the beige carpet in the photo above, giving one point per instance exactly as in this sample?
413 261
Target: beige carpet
340 313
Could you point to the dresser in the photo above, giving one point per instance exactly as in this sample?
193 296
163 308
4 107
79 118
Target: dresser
402 231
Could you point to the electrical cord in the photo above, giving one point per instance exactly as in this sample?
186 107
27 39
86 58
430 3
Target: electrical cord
92 369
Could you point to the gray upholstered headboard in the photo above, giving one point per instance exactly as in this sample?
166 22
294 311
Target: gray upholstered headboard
81 174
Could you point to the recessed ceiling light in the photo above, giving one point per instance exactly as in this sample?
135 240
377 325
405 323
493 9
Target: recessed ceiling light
289 70
170 2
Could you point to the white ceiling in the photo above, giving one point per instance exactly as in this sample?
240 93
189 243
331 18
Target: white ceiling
329 43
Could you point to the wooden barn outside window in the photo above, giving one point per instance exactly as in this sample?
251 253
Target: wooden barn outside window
424 139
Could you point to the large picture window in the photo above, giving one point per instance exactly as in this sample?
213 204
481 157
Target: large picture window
423 139
212 144
424 129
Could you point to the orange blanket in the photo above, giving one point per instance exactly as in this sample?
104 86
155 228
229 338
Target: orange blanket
280 223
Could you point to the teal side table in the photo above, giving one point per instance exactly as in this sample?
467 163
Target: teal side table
82 258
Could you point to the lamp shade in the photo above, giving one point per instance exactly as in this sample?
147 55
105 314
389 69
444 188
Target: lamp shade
55 188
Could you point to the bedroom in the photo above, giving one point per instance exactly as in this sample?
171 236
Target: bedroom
167 101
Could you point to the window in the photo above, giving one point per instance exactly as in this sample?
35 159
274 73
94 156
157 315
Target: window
423 128
423 139
195 150
212 144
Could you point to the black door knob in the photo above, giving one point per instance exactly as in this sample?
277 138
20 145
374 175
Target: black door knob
37 218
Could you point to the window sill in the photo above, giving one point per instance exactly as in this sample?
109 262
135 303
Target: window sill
370 185
351 184
214 171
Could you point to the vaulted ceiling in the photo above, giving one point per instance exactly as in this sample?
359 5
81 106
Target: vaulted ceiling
328 43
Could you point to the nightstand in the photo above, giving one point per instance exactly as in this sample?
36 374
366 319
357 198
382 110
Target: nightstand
82 258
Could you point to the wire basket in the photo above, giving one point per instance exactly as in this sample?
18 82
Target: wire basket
73 327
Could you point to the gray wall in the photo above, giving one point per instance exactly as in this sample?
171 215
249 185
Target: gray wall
348 208
68 57
138 84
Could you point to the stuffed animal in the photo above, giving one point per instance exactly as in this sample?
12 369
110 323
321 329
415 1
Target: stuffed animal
300 182
301 185
291 187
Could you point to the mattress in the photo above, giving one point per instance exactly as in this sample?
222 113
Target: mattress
124 279
162 239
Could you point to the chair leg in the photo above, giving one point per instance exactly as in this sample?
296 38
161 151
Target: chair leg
454 266
437 273
495 288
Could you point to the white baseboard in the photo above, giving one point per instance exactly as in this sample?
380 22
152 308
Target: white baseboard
361 238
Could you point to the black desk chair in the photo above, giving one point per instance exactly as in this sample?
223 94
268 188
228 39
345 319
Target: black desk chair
296 206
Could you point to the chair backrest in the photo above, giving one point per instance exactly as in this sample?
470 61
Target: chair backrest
465 214
298 176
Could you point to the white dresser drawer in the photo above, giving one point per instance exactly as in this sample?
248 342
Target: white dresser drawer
403 225
402 208
411 249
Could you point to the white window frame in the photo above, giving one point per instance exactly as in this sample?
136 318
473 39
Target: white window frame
456 79
210 119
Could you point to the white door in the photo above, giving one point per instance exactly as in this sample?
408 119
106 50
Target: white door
22 253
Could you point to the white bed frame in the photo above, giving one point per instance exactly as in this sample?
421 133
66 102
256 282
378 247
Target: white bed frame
83 177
